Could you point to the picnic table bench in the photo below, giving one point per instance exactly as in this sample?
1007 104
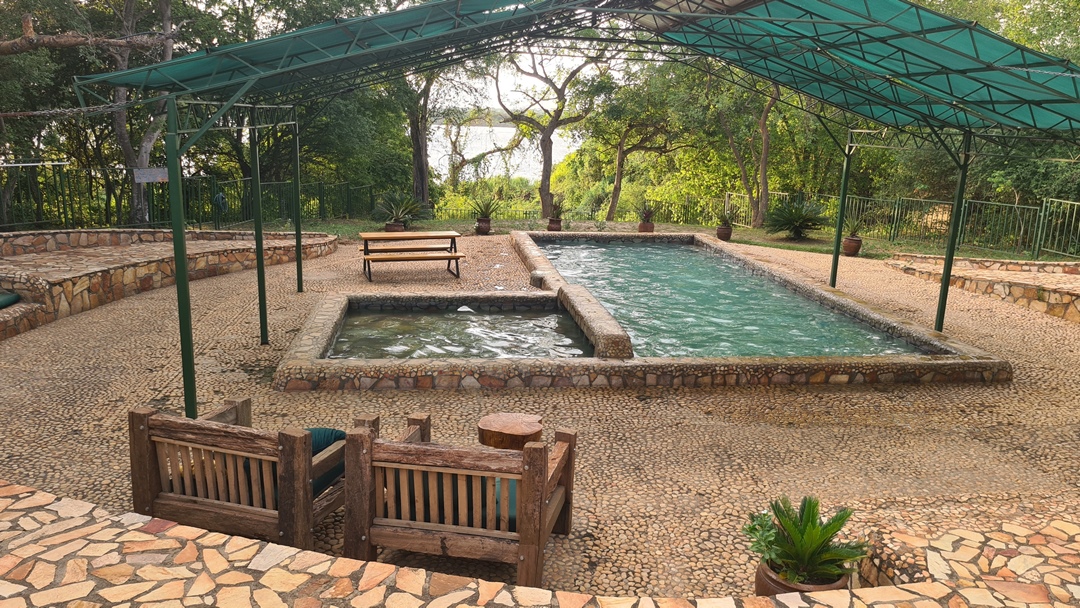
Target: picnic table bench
387 251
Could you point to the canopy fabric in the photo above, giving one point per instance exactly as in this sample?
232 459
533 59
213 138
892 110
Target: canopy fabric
890 61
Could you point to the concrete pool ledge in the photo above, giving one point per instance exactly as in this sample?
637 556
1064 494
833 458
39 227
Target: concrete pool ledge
304 366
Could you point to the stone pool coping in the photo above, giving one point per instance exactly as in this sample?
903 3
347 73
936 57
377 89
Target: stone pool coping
59 551
614 365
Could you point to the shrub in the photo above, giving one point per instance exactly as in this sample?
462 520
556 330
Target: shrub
798 546
796 217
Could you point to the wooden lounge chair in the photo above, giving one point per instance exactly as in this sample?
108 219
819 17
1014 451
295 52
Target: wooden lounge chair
219 474
459 502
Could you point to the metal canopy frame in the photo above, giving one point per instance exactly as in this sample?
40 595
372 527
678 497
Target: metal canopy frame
932 77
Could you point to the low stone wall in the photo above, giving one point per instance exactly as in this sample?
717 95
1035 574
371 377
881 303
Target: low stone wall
991 264
609 339
1057 301
52 299
44 241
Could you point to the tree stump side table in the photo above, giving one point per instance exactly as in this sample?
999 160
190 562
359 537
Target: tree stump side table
509 431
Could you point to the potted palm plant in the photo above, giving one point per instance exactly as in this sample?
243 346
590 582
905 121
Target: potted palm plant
484 208
645 213
852 242
555 221
798 551
397 210
723 231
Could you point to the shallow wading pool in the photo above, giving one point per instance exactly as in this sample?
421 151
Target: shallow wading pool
925 356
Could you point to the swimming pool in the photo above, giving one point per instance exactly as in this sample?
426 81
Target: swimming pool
679 300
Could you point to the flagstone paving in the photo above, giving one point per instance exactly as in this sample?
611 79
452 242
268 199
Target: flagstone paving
665 478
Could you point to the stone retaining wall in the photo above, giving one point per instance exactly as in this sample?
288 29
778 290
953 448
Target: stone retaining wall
46 300
43 241
990 264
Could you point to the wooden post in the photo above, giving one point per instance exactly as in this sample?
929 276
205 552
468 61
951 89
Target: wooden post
243 410
566 479
531 514
359 493
145 481
368 421
296 519
424 422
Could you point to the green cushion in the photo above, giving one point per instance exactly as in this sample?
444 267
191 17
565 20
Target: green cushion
7 298
322 438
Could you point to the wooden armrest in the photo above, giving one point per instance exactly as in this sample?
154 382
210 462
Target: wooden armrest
328 459
235 411
556 463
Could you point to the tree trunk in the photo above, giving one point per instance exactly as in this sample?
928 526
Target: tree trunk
616 188
547 200
762 206
420 173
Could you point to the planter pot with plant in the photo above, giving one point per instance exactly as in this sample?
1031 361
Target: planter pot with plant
645 214
723 231
852 243
484 208
397 210
555 221
799 552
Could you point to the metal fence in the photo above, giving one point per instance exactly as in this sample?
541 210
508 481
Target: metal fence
44 196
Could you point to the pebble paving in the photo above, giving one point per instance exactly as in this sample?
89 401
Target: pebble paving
665 477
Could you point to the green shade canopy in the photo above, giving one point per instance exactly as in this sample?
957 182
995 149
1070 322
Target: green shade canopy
886 60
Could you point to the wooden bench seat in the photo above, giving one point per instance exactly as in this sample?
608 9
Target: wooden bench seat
407 248
473 502
450 257
219 474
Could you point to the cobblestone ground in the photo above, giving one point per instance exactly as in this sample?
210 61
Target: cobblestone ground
665 477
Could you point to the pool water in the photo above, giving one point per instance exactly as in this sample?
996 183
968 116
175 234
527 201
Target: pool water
682 301
459 333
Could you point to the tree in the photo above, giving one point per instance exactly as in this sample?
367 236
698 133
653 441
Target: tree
568 97
31 40
634 117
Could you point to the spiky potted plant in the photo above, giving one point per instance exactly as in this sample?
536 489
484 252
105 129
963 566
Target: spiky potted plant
555 221
645 213
799 552
852 242
484 208
397 210
723 231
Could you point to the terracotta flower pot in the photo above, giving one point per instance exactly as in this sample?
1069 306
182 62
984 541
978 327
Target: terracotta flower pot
483 225
554 224
851 245
394 227
767 582
723 233
645 227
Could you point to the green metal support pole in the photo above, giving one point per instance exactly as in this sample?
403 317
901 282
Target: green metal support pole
183 290
256 213
954 230
849 151
296 205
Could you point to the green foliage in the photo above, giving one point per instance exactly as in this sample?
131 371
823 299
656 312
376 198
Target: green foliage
645 212
724 216
852 225
399 207
799 546
796 217
485 207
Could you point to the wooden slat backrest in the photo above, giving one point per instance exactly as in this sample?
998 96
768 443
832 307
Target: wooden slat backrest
215 461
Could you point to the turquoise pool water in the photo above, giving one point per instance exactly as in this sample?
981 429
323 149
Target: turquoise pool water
682 301
460 333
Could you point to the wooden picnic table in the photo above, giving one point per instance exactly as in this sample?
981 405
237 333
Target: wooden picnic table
401 247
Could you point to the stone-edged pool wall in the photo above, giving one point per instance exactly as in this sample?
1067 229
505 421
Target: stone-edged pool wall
304 366
614 365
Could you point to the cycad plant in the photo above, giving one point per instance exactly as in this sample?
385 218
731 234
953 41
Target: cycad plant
796 217
801 548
